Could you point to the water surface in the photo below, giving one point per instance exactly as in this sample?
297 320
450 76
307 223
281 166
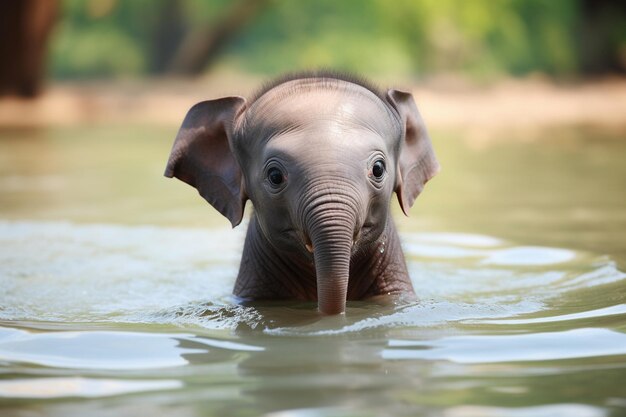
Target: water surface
115 290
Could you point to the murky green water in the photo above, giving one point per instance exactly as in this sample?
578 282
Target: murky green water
115 290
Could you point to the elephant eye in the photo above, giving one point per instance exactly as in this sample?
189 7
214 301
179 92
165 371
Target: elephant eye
378 169
275 176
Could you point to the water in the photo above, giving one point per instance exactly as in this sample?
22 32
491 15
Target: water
115 290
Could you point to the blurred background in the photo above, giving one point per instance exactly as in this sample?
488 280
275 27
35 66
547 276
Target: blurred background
525 100
480 40
99 58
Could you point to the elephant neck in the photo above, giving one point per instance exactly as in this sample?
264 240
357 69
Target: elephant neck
266 273
379 268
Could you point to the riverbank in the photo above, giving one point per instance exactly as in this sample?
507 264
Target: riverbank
518 105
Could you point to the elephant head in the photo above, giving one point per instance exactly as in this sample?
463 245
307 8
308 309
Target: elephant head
319 157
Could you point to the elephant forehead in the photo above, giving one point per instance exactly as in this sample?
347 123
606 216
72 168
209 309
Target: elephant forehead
331 139
330 112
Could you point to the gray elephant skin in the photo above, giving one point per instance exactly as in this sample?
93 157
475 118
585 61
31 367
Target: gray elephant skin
319 155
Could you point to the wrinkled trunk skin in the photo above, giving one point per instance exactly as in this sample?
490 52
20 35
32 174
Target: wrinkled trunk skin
332 231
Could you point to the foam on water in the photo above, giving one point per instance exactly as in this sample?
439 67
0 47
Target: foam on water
102 273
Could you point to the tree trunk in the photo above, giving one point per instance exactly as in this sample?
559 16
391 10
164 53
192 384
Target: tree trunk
25 26
200 47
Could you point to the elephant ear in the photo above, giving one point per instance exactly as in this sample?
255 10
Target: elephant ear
202 157
416 162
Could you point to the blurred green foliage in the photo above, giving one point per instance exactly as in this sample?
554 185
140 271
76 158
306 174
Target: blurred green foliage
479 38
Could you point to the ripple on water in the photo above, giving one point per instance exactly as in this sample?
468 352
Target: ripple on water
481 301
92 350
570 344
59 387
103 273
571 410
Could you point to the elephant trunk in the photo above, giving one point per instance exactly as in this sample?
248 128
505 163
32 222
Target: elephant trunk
331 229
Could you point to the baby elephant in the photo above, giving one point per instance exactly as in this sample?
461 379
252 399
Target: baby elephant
319 155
